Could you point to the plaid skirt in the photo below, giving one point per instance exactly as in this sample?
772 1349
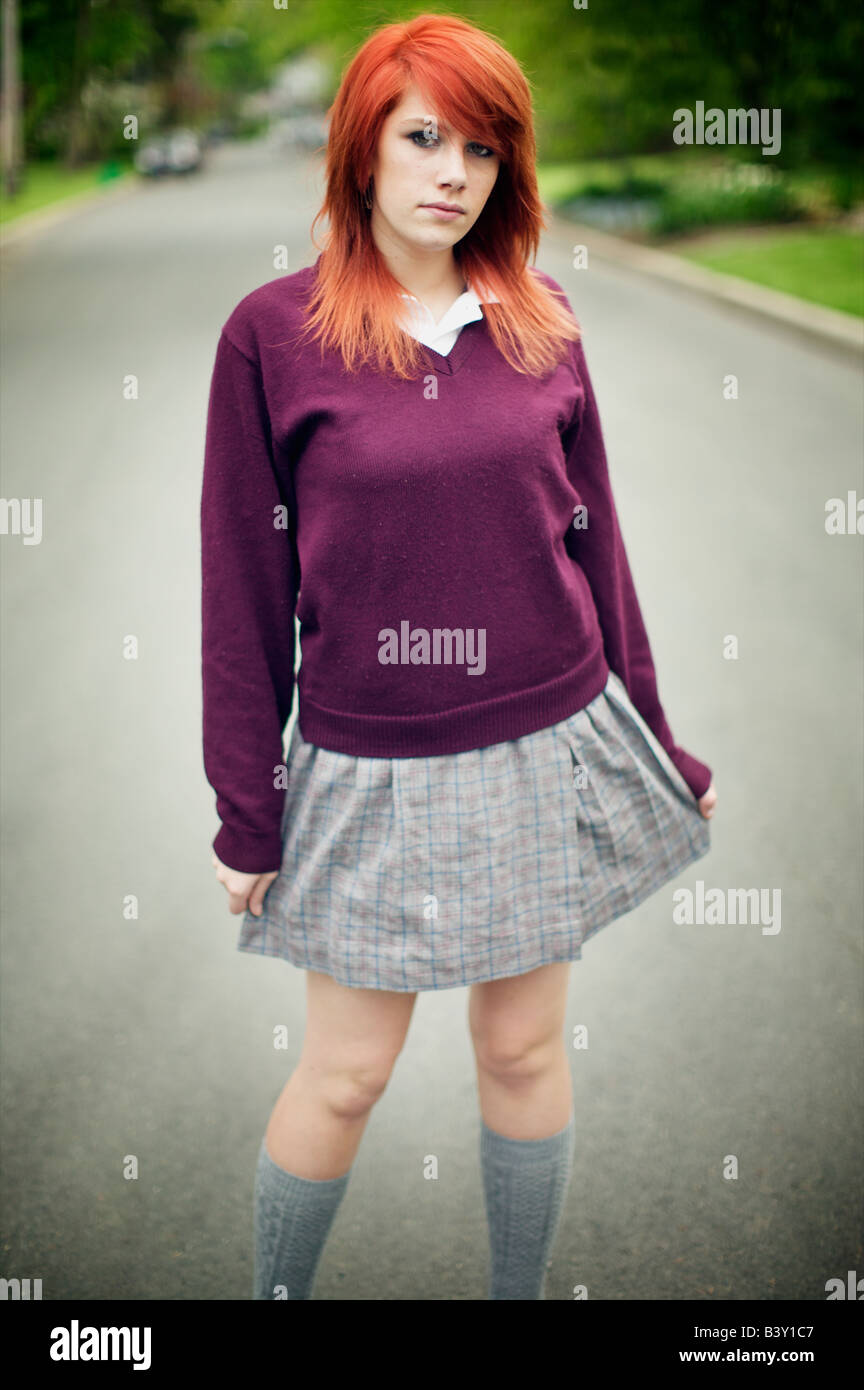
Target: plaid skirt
426 873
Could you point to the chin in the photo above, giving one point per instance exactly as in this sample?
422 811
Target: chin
435 238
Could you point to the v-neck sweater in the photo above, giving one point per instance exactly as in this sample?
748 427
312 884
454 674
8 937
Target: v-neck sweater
450 546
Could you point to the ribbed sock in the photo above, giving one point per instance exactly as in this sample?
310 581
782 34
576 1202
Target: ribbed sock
293 1216
525 1182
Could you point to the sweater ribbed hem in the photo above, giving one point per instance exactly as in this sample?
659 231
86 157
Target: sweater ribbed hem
454 730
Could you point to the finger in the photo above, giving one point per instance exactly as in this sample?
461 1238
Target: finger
256 897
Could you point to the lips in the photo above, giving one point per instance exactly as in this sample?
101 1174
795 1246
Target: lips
444 207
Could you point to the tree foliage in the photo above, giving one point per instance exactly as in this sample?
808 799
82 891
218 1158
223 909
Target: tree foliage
606 79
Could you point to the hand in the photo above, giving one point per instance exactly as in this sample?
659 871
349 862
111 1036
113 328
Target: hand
707 802
244 890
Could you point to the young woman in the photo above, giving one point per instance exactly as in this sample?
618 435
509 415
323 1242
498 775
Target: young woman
404 448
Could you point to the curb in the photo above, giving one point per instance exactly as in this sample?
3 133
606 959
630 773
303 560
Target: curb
29 223
832 326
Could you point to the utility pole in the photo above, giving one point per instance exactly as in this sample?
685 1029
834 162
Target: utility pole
10 117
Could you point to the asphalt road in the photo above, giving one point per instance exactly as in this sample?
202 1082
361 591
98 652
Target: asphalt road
154 1036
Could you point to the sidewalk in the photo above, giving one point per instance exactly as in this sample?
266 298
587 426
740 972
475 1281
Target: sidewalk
29 223
841 331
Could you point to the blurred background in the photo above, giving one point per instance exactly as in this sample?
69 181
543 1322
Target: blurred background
162 159
606 79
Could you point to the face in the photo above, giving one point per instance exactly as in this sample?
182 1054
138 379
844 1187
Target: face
420 161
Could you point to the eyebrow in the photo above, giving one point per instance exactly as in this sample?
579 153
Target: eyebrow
424 120
421 120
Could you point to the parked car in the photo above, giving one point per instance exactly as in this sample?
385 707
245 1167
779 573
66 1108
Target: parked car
219 130
304 131
179 151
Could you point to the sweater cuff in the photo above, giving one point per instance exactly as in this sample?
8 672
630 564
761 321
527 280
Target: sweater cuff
248 852
697 775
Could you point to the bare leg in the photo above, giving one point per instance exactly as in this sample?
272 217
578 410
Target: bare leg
351 1042
352 1039
523 1070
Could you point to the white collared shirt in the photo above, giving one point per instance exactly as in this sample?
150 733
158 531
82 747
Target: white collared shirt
441 336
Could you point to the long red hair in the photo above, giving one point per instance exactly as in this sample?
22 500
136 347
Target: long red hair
476 86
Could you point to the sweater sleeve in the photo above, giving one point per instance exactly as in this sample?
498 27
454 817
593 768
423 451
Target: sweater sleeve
249 574
599 550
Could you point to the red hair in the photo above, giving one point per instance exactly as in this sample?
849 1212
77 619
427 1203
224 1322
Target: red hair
477 87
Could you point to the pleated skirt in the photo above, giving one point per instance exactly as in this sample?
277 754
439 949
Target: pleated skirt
427 873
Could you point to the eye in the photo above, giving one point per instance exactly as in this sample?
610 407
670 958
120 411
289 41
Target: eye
425 143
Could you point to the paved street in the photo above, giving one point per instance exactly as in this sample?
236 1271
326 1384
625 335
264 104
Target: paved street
154 1036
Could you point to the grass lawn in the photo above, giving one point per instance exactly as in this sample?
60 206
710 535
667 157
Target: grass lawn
46 183
558 182
825 266
737 231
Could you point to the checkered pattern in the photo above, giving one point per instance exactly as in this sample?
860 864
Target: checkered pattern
428 873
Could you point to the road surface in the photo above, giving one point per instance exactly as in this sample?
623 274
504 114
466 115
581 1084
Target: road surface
153 1036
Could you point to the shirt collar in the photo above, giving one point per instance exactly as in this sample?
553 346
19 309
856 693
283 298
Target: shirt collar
464 309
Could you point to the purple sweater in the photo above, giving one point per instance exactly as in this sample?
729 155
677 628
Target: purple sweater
450 545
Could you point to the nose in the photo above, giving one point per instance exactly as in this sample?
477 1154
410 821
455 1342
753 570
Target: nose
452 169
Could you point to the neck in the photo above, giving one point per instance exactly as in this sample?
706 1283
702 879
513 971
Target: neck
426 274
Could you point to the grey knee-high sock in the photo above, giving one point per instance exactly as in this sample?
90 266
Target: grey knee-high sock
293 1216
525 1182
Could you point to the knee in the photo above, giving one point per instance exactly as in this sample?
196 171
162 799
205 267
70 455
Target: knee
350 1091
513 1059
